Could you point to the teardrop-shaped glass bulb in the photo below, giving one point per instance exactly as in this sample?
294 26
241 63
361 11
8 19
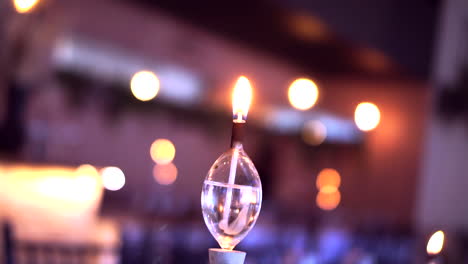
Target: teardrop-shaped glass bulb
231 197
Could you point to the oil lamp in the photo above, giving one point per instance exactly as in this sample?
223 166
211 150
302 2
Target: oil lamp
231 197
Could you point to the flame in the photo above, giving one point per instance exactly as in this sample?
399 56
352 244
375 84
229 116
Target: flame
436 243
241 99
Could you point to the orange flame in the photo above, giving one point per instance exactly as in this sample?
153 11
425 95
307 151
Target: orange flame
435 243
241 99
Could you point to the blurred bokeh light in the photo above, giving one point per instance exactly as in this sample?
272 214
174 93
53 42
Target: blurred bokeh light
144 85
328 198
303 94
162 151
314 132
165 174
87 180
372 60
328 181
25 6
307 27
367 116
51 194
328 178
86 169
435 243
113 178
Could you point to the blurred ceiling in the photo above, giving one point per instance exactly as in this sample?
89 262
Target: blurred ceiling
385 39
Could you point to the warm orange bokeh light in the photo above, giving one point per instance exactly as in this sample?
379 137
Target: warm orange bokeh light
59 199
165 174
113 178
86 169
435 243
241 99
24 6
367 116
328 200
87 180
81 185
314 132
328 178
372 60
144 85
162 151
308 28
303 94
328 189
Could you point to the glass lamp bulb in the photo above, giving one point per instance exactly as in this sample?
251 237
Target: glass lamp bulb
231 197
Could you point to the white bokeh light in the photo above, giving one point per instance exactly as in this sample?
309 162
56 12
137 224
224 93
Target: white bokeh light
113 178
144 85
367 116
303 94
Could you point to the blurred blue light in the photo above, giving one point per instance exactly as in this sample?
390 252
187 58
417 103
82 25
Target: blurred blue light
105 63
333 243
288 121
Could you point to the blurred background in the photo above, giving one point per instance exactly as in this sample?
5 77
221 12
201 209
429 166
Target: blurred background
113 111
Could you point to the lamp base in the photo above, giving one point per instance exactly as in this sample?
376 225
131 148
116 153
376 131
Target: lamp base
223 256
